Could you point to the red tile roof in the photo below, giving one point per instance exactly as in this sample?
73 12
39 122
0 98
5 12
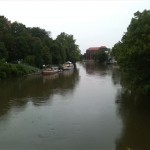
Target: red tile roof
95 48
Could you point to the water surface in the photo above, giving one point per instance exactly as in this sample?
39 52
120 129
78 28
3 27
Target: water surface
74 110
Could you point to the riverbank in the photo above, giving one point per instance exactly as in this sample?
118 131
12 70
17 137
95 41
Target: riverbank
8 70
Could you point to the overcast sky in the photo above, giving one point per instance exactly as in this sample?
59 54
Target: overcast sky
92 22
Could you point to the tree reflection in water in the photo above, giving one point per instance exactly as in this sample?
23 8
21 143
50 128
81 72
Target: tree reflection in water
38 89
97 69
134 110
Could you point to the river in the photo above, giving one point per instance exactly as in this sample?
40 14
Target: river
73 110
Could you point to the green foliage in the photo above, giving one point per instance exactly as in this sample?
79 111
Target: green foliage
133 52
4 25
46 55
33 46
38 32
8 70
101 56
68 49
3 51
18 29
30 59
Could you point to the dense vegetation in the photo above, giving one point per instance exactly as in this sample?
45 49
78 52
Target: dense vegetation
8 70
100 56
133 52
34 46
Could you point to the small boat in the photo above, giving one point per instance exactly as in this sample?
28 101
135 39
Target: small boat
68 66
50 71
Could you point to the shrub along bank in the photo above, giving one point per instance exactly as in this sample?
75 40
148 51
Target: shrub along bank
8 70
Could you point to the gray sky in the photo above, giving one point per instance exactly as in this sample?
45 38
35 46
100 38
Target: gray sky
92 22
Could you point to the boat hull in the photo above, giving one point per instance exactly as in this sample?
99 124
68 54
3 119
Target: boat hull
68 68
48 72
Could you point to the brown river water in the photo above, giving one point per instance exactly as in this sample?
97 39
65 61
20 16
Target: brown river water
73 110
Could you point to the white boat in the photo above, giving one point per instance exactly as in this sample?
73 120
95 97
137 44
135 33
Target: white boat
50 71
68 66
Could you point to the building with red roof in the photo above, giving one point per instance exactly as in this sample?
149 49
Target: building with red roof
92 50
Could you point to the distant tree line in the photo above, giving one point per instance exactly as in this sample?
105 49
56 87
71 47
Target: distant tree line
34 46
133 52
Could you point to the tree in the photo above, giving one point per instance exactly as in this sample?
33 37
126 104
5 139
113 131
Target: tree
4 24
18 29
69 50
46 55
34 45
133 52
30 59
22 47
56 57
3 51
100 56
38 32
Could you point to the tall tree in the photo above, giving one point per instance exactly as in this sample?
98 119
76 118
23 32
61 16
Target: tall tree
69 49
38 32
4 24
133 52
3 51
34 45
18 29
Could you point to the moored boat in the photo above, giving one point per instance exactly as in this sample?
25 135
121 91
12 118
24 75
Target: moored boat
68 66
50 71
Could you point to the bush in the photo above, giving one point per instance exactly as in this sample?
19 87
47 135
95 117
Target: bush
14 70
3 75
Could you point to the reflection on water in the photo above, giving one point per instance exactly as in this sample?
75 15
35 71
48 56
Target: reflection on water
85 109
134 110
37 89
97 69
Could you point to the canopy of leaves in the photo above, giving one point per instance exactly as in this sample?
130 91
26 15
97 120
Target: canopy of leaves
69 51
34 46
133 52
